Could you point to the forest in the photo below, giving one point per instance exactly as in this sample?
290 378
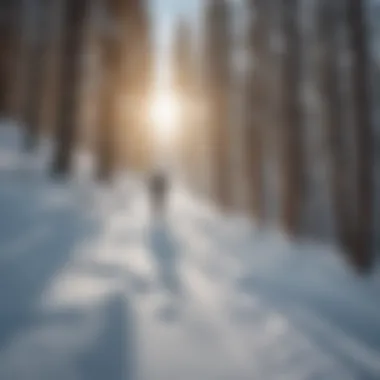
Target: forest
294 82
261 119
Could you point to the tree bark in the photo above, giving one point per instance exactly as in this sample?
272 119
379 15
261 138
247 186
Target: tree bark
363 256
332 103
126 56
70 69
292 155
218 79
183 82
256 106
10 15
138 77
37 47
112 54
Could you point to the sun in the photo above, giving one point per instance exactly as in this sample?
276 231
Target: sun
165 114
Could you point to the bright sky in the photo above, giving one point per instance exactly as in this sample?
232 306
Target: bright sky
166 15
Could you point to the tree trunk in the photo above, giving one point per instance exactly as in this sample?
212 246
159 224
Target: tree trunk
256 106
218 77
183 82
358 36
292 155
106 140
328 27
73 26
10 14
112 52
137 83
50 91
36 55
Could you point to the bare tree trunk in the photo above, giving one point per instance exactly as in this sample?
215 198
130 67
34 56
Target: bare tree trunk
137 83
106 139
73 26
10 15
106 134
218 77
183 82
292 155
126 55
358 36
37 49
50 91
19 70
256 105
112 40
332 102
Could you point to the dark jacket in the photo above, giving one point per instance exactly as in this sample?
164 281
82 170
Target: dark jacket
158 185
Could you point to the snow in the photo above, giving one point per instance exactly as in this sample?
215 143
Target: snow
92 288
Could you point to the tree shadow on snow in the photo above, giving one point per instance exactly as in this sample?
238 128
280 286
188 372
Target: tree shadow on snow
165 252
164 249
76 344
37 239
327 320
112 356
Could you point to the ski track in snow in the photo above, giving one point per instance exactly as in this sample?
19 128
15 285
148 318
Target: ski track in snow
91 288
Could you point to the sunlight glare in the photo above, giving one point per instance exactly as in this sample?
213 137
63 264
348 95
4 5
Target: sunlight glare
164 114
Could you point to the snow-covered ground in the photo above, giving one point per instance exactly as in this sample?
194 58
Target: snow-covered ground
91 289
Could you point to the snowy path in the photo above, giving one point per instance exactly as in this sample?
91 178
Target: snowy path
91 289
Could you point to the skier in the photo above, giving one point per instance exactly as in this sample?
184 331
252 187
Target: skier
158 193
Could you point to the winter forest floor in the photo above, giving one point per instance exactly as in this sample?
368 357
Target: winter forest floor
92 289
